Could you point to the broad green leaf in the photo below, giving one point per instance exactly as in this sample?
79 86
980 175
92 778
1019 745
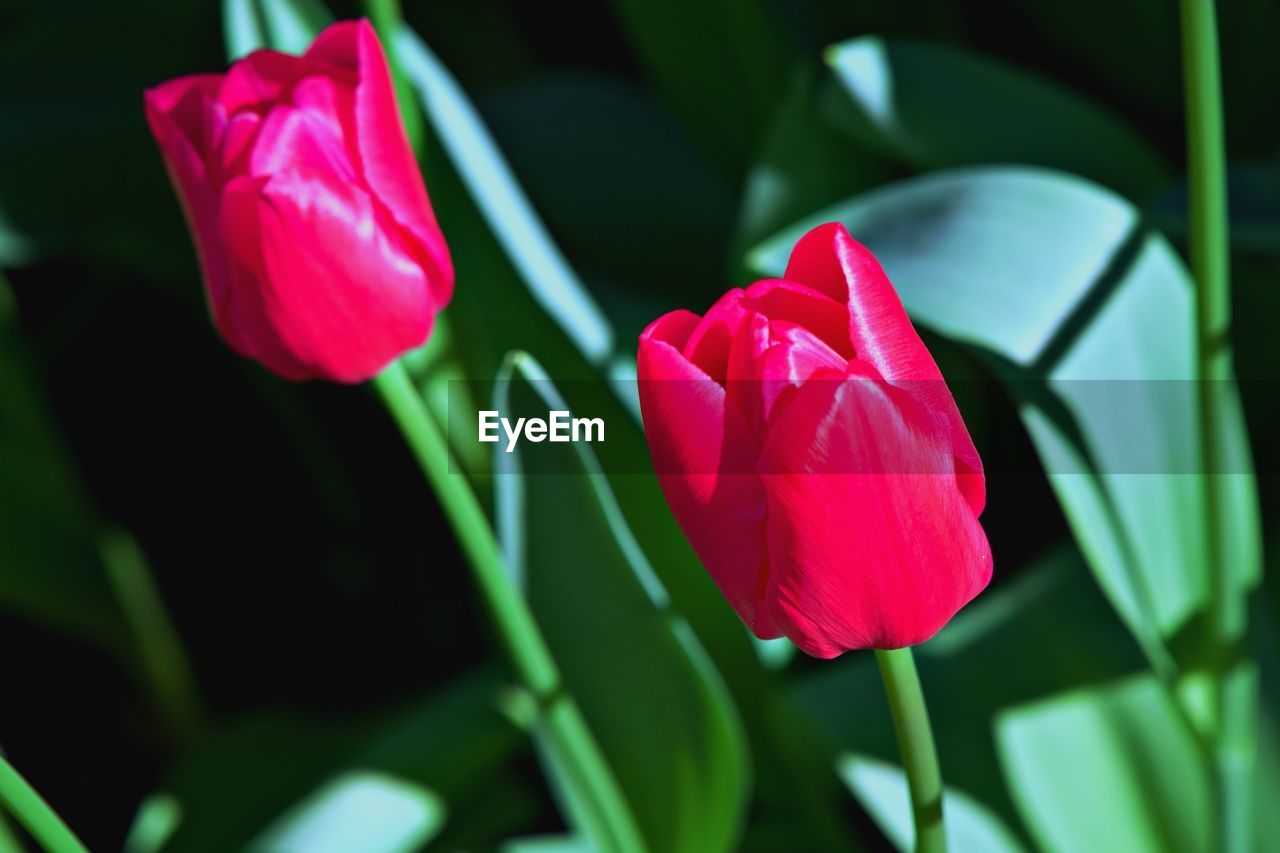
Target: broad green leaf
932 106
721 64
1046 630
882 789
1058 284
805 162
157 820
502 202
668 729
15 248
1253 192
284 25
236 782
524 296
1110 768
359 810
572 138
50 571
547 844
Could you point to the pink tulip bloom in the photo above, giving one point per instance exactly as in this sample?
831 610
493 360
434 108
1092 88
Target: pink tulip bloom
814 457
320 251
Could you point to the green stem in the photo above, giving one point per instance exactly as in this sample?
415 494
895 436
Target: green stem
915 743
561 720
34 813
1210 266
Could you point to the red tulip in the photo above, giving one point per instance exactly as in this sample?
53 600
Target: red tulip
814 457
321 254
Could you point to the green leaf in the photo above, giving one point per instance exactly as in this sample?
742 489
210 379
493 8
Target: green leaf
497 245
502 202
805 162
157 820
1108 768
547 844
359 810
571 138
668 728
50 571
1253 192
1058 285
238 780
284 25
882 790
720 64
1048 628
932 106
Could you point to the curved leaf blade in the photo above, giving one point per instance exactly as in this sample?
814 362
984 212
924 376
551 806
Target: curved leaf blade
1109 768
933 106
669 730
1059 284
882 789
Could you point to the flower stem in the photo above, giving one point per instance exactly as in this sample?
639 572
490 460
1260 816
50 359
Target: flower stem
34 813
915 743
561 721
1210 266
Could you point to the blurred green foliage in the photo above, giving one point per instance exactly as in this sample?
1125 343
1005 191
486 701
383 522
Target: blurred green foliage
593 165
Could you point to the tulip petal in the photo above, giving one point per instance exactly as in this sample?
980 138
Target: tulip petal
705 460
260 80
829 260
872 541
241 312
337 289
822 316
709 344
305 133
384 154
176 113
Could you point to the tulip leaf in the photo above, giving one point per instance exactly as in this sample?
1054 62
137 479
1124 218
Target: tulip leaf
571 138
158 818
508 305
359 810
503 203
805 162
1108 768
931 106
721 64
1018 624
546 844
882 789
50 569
236 784
284 25
1087 316
668 729
1253 191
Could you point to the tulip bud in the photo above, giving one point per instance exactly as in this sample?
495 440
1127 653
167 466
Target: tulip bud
320 252
813 456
